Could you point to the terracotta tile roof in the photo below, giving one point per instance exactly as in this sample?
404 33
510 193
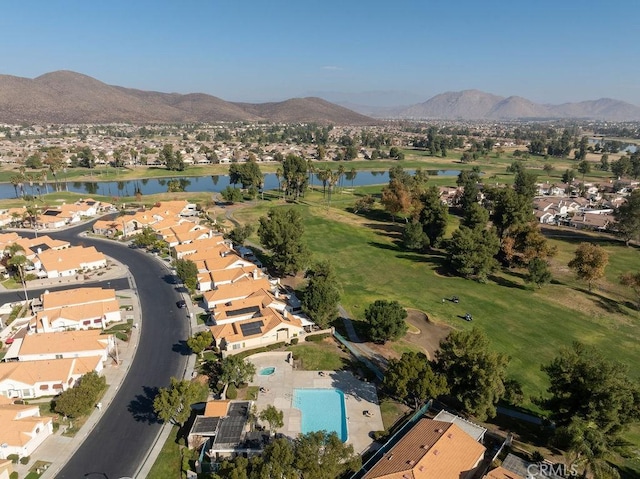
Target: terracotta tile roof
431 449
502 473
16 431
240 289
260 299
64 342
71 258
271 319
30 244
32 372
216 408
69 297
77 312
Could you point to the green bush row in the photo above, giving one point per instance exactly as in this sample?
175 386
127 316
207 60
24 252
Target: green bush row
317 337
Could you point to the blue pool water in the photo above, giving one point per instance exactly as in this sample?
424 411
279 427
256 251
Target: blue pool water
322 409
267 371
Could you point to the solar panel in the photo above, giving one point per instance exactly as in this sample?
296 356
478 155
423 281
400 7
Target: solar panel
205 425
249 329
243 311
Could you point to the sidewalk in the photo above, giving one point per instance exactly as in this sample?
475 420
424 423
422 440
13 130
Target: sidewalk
57 449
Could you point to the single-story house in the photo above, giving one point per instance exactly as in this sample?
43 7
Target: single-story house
22 429
34 379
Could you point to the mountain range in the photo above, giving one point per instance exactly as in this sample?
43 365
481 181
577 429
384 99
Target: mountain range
479 105
69 97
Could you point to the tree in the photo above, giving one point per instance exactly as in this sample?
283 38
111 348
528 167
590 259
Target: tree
386 320
589 262
55 162
568 176
396 198
632 280
321 296
187 271
585 385
146 238
173 404
412 380
538 272
471 252
200 341
82 397
434 215
19 263
272 416
525 184
475 374
628 218
281 232
584 167
276 461
509 210
604 162
234 369
231 195
413 236
294 170
588 448
475 216
322 455
33 161
240 233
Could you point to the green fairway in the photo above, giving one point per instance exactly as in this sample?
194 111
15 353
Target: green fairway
529 325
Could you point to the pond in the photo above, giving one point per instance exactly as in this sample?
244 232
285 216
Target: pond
191 184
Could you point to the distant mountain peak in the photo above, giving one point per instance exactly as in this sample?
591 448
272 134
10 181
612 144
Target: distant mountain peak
65 96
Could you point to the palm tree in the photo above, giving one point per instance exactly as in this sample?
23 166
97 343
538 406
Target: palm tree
54 160
16 180
279 174
352 174
311 169
341 171
323 175
19 262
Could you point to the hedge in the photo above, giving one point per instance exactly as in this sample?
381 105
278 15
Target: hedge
317 337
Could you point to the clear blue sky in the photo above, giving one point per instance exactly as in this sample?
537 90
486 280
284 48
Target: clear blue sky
260 50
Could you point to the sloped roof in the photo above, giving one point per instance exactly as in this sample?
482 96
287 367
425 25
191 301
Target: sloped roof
70 297
431 449
64 342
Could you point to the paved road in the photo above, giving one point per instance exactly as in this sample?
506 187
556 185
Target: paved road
118 444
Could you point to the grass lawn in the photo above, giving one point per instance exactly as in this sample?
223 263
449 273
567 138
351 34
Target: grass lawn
168 464
391 411
529 325
323 355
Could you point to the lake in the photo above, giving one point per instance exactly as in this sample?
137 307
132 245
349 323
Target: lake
191 184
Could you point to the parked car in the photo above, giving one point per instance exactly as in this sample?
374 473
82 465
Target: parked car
182 304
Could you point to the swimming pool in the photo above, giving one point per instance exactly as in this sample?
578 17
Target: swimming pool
267 371
322 409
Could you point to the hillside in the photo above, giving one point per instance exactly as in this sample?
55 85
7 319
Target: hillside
69 97
478 105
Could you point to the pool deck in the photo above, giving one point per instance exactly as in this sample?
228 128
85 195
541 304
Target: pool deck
278 387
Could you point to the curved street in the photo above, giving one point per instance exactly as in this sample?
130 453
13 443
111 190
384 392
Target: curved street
120 441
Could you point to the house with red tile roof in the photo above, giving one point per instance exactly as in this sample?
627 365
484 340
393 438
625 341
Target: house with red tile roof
71 261
431 449
60 345
77 308
240 289
34 379
22 429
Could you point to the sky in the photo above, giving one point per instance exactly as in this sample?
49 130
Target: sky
370 52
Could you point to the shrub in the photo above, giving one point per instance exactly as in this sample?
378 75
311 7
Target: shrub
294 341
536 456
317 337
14 458
232 391
25 460
14 475
377 435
